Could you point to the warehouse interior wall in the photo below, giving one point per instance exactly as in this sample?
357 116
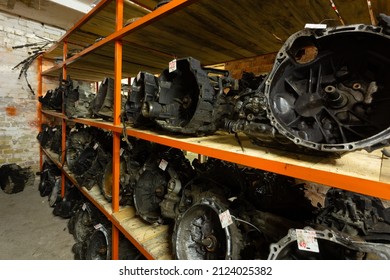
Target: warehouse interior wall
18 105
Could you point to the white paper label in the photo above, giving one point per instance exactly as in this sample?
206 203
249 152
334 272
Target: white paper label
172 66
163 164
138 76
97 226
95 146
84 206
307 240
54 129
315 26
225 218
121 151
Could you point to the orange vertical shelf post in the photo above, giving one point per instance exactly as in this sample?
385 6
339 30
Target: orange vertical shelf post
63 122
117 121
39 108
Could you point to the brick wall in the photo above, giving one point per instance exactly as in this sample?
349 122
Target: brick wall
258 65
18 106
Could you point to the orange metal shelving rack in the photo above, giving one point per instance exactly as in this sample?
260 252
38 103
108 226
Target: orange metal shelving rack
358 172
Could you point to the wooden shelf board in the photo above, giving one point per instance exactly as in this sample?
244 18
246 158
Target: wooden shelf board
357 171
208 31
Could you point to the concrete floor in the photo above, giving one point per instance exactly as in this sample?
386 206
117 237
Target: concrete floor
29 230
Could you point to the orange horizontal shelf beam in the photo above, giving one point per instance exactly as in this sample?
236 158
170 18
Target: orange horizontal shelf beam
281 165
146 20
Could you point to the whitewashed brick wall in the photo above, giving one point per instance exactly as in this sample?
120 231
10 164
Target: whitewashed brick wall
18 106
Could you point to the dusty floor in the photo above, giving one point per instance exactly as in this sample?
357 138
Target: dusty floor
29 230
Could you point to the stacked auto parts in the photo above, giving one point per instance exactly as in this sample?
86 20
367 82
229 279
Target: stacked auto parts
349 226
186 98
326 92
324 102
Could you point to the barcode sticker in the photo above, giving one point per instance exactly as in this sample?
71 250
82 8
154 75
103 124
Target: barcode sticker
163 164
307 240
226 219
172 66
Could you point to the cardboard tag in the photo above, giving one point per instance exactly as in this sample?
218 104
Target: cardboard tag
226 219
172 66
97 226
163 164
307 240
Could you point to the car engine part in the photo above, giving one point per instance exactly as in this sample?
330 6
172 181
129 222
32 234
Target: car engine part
76 103
190 99
102 104
332 245
328 89
355 215
99 244
161 178
133 155
13 178
199 235
47 178
143 89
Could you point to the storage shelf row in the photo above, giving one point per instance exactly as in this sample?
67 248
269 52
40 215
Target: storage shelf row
152 240
102 45
359 171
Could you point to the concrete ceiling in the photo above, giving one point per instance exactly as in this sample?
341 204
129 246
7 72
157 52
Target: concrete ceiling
59 13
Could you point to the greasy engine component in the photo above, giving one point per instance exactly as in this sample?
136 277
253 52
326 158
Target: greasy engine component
13 178
325 93
87 154
65 208
103 103
82 224
99 244
162 176
328 89
52 99
45 136
191 99
356 215
260 229
277 194
55 194
133 155
78 141
76 103
310 244
199 234
143 89
48 177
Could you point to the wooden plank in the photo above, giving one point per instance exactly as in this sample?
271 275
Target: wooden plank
385 170
124 214
150 232
159 247
134 223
